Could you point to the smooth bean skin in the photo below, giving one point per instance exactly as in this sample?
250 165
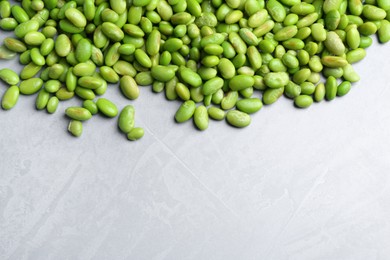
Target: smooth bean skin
190 77
319 93
276 79
331 88
162 73
75 127
201 118
343 88
238 119
78 113
303 101
10 97
9 76
373 13
83 50
126 119
129 87
356 55
384 31
64 94
112 31
350 74
226 68
14 45
143 58
230 100
109 74
135 134
84 69
8 24
216 113
185 111
249 105
270 96
276 10
240 82
211 86
90 82
76 17
353 37
63 45
52 105
334 44
106 107
42 99
90 106
30 86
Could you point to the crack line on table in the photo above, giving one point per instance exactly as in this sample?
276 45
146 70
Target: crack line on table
295 212
46 214
191 172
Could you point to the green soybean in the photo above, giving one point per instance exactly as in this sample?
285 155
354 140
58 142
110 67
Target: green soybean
135 134
10 97
343 88
129 87
78 113
201 118
126 119
185 111
331 88
216 113
238 119
303 101
249 105
75 127
30 86
9 76
106 107
52 105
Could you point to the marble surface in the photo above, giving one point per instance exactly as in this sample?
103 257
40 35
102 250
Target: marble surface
295 184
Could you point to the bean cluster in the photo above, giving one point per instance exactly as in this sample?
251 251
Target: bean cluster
210 54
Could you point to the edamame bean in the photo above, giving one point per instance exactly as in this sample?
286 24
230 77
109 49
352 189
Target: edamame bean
216 113
63 45
129 87
201 118
52 105
106 107
238 119
303 101
78 113
343 88
330 88
126 119
249 105
75 127
30 86
135 134
276 79
185 111
9 76
10 97
240 82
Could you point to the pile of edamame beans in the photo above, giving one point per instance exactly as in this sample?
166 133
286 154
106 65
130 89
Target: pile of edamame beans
210 54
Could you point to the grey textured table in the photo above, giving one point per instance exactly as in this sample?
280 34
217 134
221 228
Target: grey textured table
295 184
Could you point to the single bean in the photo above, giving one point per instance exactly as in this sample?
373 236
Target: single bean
135 134
201 118
185 111
10 97
238 119
75 127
